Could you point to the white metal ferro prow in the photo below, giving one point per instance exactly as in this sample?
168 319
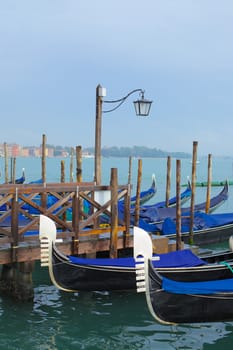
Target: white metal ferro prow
47 228
47 235
143 251
142 243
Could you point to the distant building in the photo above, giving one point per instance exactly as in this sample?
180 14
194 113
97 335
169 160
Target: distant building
50 152
14 150
25 152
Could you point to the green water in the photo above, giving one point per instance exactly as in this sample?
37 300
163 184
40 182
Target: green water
57 320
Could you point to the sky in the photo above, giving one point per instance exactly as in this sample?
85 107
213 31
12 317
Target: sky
54 53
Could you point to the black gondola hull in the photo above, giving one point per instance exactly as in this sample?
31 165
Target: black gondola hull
208 236
76 277
187 308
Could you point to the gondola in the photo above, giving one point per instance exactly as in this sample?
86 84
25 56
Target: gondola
172 301
19 180
156 214
207 228
184 197
73 273
146 195
190 301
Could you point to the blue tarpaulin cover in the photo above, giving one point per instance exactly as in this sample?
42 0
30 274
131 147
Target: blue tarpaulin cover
206 287
201 221
181 258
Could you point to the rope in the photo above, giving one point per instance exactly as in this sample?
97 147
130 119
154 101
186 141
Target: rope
227 265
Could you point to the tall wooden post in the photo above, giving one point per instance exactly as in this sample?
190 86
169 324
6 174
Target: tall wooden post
137 204
71 164
98 132
43 170
168 184
194 165
79 164
43 159
208 192
130 170
62 171
13 170
15 225
178 206
6 163
76 221
127 207
114 214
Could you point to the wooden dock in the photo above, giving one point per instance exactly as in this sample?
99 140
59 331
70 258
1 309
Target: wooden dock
75 208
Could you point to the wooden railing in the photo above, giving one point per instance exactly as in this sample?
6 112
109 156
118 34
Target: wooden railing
76 209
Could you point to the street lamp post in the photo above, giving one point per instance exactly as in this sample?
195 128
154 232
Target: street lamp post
142 108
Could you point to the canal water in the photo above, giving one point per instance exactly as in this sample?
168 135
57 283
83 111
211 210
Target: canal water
56 320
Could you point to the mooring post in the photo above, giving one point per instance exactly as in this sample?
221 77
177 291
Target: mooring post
13 170
43 160
16 280
194 164
62 171
130 170
79 164
71 164
6 163
14 226
63 181
127 207
25 283
114 214
137 204
168 184
208 192
178 206
75 222
79 176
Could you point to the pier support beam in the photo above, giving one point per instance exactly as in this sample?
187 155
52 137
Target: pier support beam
16 281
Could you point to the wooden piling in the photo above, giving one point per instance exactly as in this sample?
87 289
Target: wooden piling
130 170
75 222
127 206
13 169
168 183
63 171
43 159
25 282
194 165
43 169
178 206
15 226
137 204
6 163
16 281
114 213
71 164
63 179
208 191
79 164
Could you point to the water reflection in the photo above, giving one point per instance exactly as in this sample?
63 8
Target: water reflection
114 321
58 320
